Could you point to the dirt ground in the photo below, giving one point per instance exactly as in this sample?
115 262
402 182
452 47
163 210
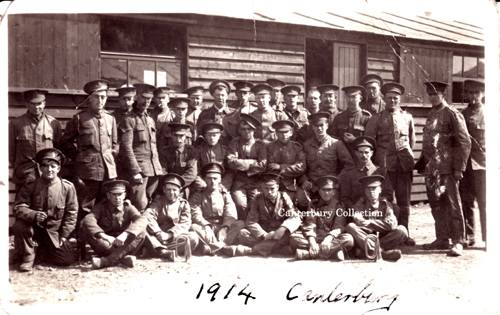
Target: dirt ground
421 282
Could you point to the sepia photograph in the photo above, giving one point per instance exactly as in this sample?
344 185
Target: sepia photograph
258 157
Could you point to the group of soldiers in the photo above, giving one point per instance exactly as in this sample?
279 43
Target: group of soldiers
247 178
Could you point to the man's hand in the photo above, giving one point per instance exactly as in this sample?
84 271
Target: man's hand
458 175
210 234
222 234
120 240
325 245
110 239
358 218
335 233
348 137
138 178
62 243
165 237
40 217
67 245
313 247
269 236
279 233
307 185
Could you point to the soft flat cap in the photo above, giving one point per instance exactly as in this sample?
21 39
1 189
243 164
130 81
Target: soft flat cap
212 126
276 84
283 125
212 168
364 141
172 178
290 90
318 118
179 102
261 89
126 91
244 86
270 178
327 182
35 96
96 86
217 83
473 85
116 186
327 88
372 180
194 90
161 91
353 90
179 129
370 78
432 87
392 87
50 154
250 120
146 90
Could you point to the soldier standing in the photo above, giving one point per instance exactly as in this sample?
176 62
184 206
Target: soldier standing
395 134
179 107
296 114
276 101
243 103
138 149
373 102
446 148
161 114
126 97
29 134
313 101
329 100
195 95
473 185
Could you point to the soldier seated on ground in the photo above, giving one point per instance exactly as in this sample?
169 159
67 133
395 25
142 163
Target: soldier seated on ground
45 211
373 214
271 220
115 229
169 218
324 223
213 213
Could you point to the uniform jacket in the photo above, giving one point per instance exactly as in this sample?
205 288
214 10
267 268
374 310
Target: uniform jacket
165 134
212 114
247 159
231 124
267 117
384 222
192 119
289 160
374 106
106 218
119 114
180 161
174 217
346 122
205 154
446 143
265 216
27 136
302 131
474 120
139 152
320 225
161 117
351 190
395 136
96 144
325 158
208 209
57 199
332 111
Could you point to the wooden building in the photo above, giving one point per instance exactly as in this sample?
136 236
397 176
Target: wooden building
61 52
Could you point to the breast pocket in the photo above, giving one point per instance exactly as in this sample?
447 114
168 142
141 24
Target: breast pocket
85 136
25 134
59 212
140 134
48 135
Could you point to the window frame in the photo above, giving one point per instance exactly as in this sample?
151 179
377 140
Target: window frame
462 78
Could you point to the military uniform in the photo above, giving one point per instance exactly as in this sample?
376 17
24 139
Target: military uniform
446 148
28 135
377 104
347 122
373 106
267 216
218 153
276 103
267 117
161 114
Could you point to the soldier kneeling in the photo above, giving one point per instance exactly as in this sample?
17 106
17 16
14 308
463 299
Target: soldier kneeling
373 214
115 229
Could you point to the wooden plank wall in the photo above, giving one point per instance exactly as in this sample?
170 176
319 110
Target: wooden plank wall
233 53
382 59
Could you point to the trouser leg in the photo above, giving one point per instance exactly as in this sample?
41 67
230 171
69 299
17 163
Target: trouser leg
451 200
298 241
233 231
480 183
402 182
239 196
130 247
304 197
245 237
23 241
344 242
467 187
267 247
359 234
56 256
138 196
151 187
433 188
393 238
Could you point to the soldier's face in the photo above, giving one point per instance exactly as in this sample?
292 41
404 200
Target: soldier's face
180 113
284 136
364 154
313 101
220 97
436 98
213 180
270 190
373 193
49 169
372 90
328 100
126 102
171 191
291 102
162 101
353 102
143 102
320 129
196 101
263 100
36 109
178 140
116 199
276 95
97 100
392 101
246 131
243 96
327 194
212 137
475 97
